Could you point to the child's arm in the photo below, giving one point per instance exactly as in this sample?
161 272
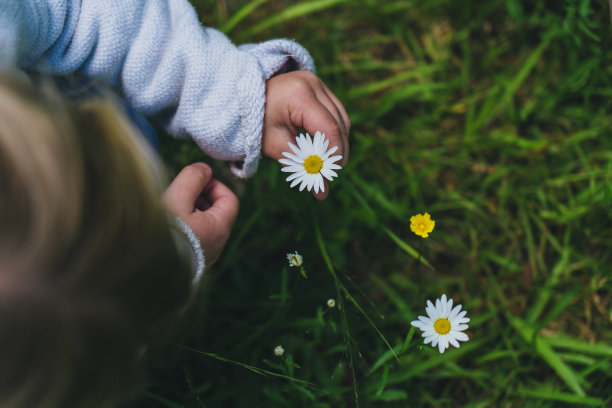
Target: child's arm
206 205
160 58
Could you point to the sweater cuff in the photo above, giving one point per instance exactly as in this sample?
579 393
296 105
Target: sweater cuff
273 57
279 56
185 235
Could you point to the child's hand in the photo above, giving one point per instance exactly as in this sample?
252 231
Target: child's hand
206 205
297 99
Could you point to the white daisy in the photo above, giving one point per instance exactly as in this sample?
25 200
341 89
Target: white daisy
295 259
331 302
444 324
311 162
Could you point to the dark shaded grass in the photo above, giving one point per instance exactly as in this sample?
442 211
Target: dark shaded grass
495 118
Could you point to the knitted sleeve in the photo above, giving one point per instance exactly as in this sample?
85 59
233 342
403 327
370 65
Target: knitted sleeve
190 79
187 240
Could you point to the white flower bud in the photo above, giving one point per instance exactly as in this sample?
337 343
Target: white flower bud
279 351
295 259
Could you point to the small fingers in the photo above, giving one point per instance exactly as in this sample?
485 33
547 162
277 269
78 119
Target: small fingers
183 193
317 117
277 141
335 107
224 203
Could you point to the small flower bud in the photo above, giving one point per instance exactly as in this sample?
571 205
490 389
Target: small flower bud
279 351
295 259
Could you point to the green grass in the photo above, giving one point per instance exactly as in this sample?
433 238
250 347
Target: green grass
494 117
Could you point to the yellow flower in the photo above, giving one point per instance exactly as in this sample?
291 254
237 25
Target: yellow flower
422 225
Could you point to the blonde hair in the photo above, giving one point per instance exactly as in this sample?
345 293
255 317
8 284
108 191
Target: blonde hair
89 266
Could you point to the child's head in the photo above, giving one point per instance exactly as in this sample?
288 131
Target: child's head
90 271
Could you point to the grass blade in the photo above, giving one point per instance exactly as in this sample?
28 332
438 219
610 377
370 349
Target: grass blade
345 329
555 395
410 250
596 349
495 103
299 10
543 348
251 368
164 401
241 15
346 292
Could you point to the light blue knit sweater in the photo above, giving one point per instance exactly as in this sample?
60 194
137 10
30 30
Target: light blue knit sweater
156 55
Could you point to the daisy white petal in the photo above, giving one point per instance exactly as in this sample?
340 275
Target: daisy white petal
443 344
295 149
308 142
461 319
318 139
301 141
293 157
426 320
286 162
292 169
311 184
304 183
292 176
334 159
444 324
448 307
295 182
331 151
431 334
430 309
418 324
454 312
318 186
328 174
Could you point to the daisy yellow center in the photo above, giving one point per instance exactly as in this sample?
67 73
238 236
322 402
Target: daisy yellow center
442 326
294 260
313 164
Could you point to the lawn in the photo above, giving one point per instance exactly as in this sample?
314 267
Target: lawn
492 116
